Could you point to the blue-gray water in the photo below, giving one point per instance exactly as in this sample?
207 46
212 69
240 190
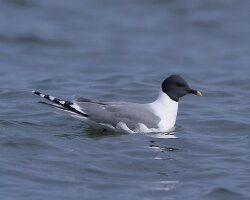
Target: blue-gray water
122 50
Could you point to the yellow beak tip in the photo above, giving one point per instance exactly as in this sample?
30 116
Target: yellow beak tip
199 93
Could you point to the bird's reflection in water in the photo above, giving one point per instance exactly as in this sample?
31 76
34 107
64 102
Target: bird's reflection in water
163 149
154 145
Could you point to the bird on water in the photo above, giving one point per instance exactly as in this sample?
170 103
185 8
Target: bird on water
158 116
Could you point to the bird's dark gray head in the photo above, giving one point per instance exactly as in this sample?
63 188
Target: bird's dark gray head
175 87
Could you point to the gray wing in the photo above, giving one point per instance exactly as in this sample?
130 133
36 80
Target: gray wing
85 100
114 112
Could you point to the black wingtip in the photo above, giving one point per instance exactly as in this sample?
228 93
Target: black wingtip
65 104
35 92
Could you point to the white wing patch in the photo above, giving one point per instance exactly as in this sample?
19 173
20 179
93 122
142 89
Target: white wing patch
52 98
62 102
142 128
75 106
123 127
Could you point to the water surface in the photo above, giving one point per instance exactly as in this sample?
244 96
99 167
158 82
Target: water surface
122 50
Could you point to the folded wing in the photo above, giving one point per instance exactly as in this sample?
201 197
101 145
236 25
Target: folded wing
113 113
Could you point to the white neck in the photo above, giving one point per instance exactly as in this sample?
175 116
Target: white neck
165 108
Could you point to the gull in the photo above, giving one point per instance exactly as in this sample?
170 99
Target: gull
158 116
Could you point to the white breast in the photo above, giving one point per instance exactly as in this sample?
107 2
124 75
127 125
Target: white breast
166 109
